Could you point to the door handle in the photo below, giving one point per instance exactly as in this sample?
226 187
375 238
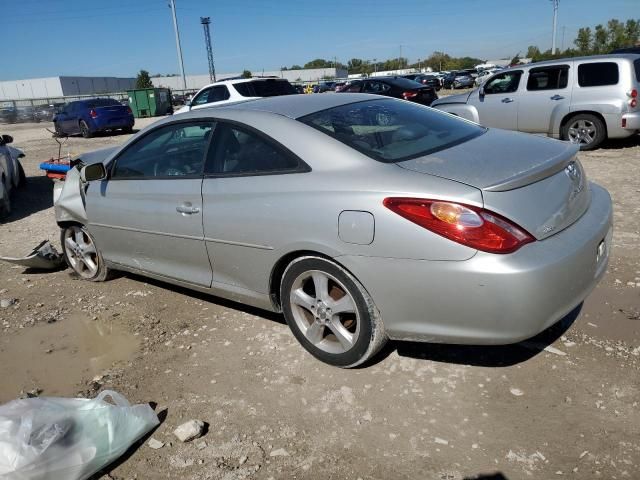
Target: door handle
187 209
507 100
557 97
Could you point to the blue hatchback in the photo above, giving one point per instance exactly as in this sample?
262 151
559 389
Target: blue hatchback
87 117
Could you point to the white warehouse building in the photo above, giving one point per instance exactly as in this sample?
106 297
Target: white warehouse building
54 87
196 82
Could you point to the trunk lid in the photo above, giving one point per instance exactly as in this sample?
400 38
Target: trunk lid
534 181
112 111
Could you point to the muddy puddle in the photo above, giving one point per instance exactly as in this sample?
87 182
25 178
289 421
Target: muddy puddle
57 357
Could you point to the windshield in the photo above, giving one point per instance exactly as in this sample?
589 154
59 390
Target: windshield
390 130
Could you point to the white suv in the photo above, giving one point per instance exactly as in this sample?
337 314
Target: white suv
237 90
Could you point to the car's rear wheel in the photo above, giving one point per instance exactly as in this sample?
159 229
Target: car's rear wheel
84 129
22 177
585 130
5 201
82 254
330 313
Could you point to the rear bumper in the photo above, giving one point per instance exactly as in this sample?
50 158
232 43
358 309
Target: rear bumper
110 124
491 299
631 121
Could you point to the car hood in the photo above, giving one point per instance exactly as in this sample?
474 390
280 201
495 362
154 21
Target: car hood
458 98
497 160
97 155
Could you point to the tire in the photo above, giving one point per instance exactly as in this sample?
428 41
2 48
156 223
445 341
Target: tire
82 255
22 177
586 130
58 130
5 201
84 129
127 130
344 339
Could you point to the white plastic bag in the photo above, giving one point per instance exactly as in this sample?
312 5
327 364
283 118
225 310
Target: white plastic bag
68 439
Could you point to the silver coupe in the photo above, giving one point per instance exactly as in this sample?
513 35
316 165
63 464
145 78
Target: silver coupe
360 218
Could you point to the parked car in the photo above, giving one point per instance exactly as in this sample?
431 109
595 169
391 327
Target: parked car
430 81
584 100
45 113
87 117
8 115
341 86
463 80
396 87
483 76
359 217
237 90
11 173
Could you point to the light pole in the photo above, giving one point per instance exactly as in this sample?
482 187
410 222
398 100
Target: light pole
555 23
172 6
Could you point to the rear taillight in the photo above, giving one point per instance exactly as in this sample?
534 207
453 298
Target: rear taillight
471 226
93 113
408 95
129 110
633 103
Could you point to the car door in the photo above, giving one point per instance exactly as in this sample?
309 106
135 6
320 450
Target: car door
147 214
65 119
497 101
211 95
242 196
547 98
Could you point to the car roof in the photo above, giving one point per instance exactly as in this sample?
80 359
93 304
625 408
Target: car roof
292 106
236 80
610 56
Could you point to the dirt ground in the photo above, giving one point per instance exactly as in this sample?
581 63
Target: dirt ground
564 404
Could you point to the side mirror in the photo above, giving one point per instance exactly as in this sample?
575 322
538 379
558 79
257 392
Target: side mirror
6 139
95 171
187 103
481 91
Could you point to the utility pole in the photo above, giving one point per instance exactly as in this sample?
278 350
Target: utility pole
205 21
562 44
172 6
400 59
555 23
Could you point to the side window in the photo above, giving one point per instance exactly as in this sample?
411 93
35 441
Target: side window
598 74
202 98
548 78
218 94
354 87
240 151
504 83
175 150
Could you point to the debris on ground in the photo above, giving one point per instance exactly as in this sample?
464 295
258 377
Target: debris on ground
43 257
190 430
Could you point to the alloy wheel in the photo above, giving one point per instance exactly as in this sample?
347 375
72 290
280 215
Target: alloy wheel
582 132
81 252
325 311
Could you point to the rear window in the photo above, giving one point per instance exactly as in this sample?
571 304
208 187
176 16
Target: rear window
391 130
598 74
101 102
265 88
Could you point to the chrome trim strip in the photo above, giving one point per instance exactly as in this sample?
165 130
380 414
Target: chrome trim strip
188 237
239 244
150 232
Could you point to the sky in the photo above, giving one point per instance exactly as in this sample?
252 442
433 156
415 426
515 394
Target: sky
42 38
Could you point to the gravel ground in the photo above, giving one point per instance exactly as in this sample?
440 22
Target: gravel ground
564 404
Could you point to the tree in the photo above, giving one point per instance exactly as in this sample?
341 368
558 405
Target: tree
144 80
295 67
583 40
616 34
600 38
318 63
533 52
515 60
632 31
246 74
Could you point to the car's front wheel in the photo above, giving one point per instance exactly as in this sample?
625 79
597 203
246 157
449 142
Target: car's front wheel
330 313
82 254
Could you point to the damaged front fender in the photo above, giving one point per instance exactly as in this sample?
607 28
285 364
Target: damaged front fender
69 205
43 257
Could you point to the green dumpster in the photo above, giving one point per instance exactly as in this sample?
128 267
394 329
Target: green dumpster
150 102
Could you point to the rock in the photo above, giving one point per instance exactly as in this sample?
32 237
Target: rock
554 350
441 441
189 430
155 444
243 460
7 302
516 392
280 452
201 445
